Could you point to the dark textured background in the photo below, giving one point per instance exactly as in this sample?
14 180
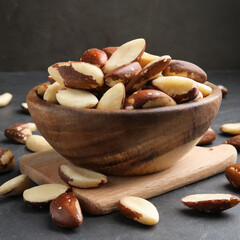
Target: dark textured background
35 34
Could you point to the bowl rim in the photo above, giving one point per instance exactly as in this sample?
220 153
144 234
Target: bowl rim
34 98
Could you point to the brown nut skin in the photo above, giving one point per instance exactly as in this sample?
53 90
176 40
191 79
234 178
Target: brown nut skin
208 137
127 212
7 160
185 69
20 132
214 205
109 51
95 56
234 141
148 98
73 78
232 174
51 80
192 94
24 107
65 211
224 90
148 73
123 74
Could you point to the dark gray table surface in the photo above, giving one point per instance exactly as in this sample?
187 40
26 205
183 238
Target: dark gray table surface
20 221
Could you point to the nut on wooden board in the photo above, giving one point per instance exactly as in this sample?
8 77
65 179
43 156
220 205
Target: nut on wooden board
81 177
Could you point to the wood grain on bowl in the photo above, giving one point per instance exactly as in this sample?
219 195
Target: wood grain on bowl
124 142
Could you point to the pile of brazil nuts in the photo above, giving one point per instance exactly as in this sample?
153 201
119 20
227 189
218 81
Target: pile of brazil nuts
64 207
124 77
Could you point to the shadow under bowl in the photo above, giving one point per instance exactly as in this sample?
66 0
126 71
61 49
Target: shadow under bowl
124 142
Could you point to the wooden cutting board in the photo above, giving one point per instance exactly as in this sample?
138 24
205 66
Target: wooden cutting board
198 164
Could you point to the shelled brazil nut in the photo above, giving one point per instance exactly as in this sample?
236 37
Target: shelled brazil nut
124 77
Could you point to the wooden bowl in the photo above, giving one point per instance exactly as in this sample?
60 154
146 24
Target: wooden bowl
124 142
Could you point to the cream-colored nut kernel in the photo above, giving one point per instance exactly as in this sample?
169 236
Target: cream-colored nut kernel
139 210
113 99
125 54
95 56
185 69
79 75
181 89
204 89
123 74
147 58
148 98
42 195
76 98
211 202
149 72
50 93
15 186
7 160
65 211
55 74
37 143
81 177
231 128
5 99
42 89
20 132
109 50
199 96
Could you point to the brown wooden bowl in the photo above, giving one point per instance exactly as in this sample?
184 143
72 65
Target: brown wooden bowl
124 142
